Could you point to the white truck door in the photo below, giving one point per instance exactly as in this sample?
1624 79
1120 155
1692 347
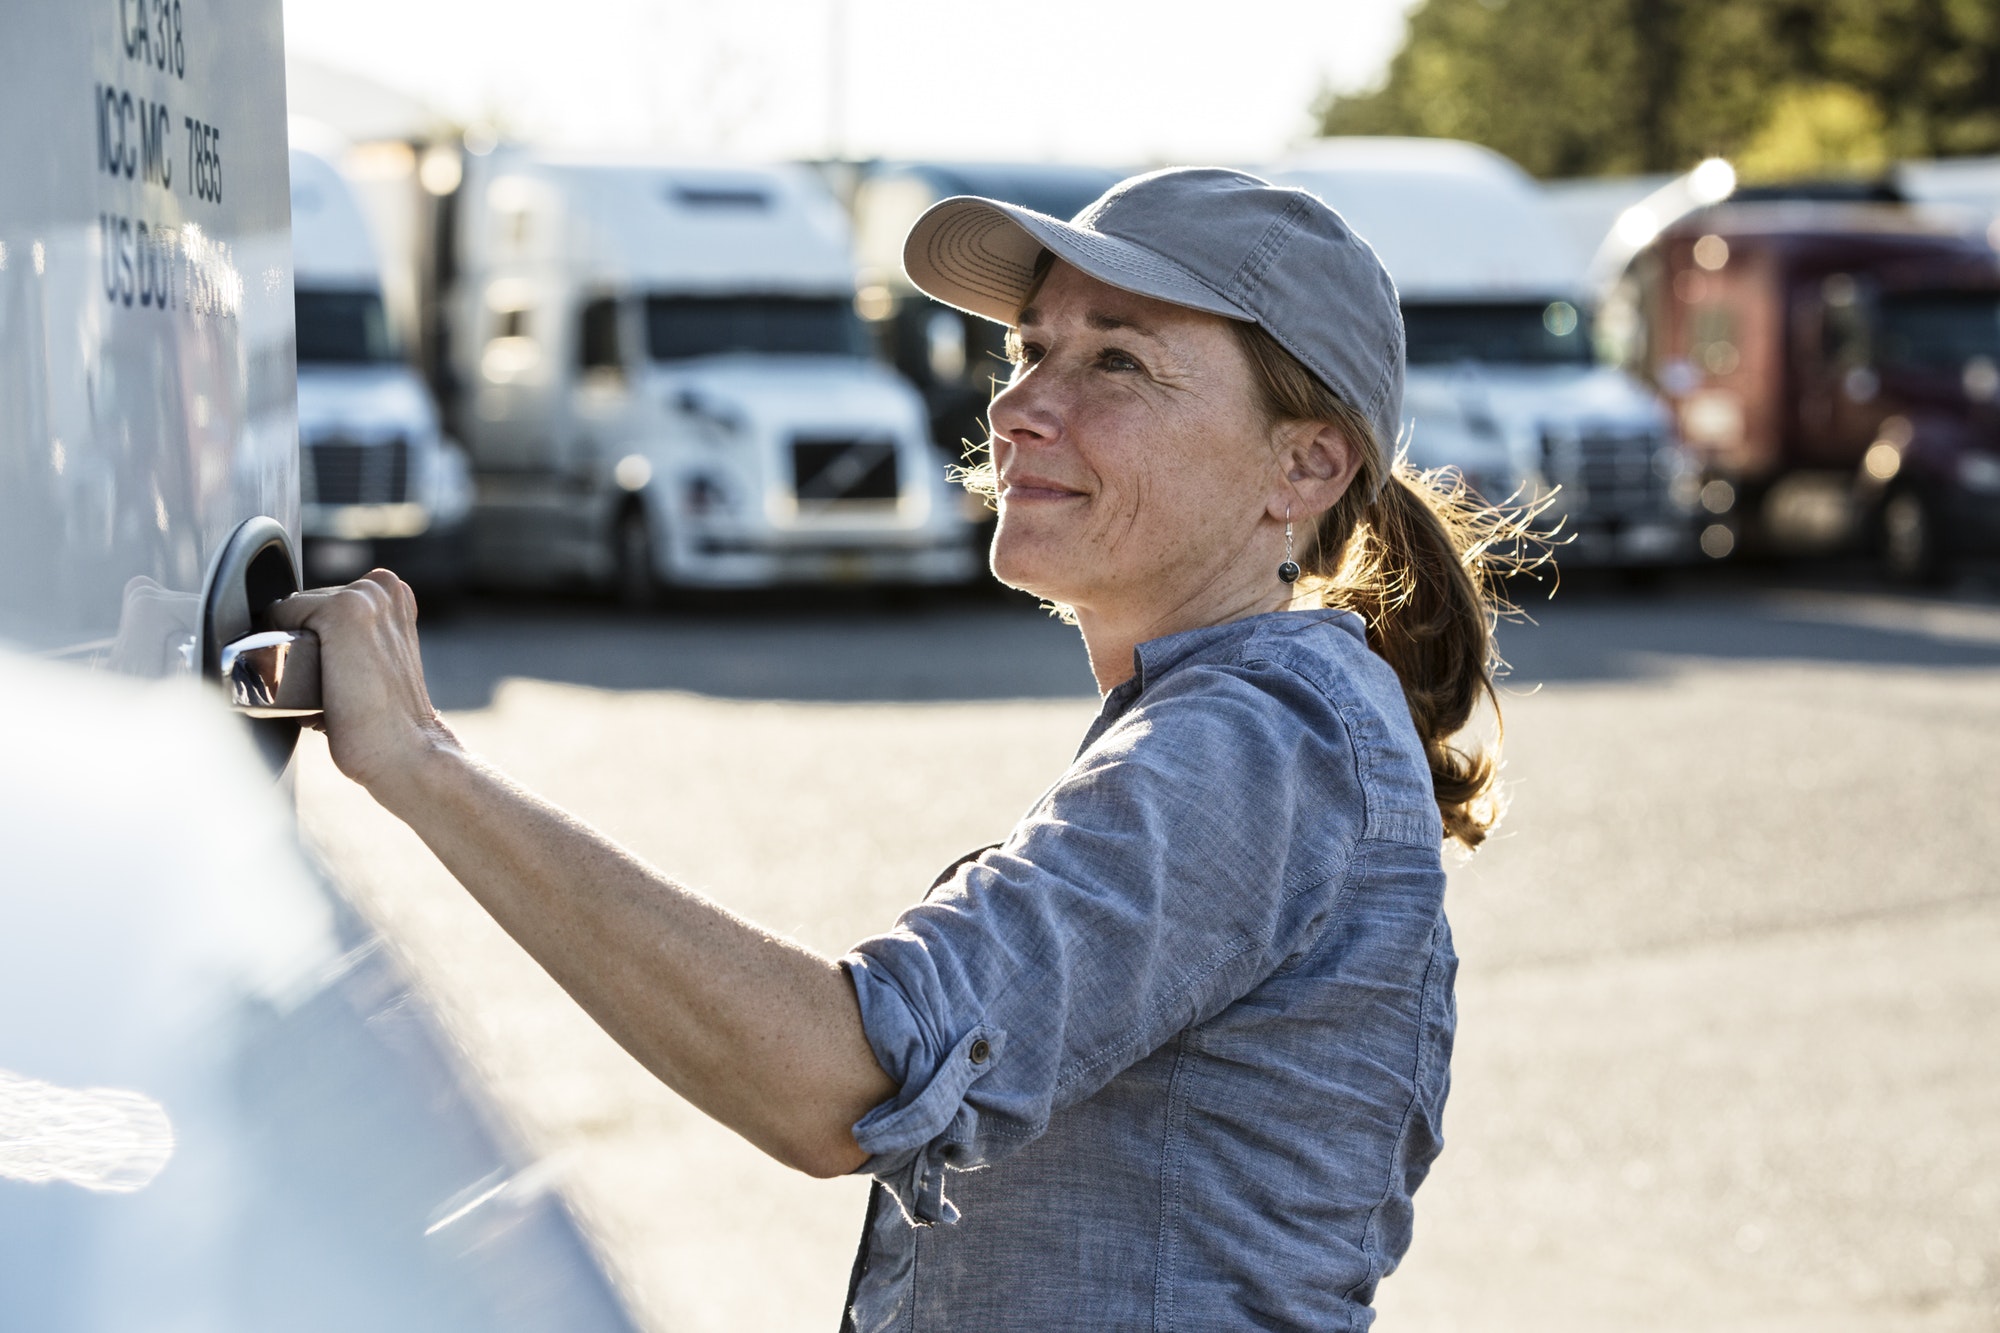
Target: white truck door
146 354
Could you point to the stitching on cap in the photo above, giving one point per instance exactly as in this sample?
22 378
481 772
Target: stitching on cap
1335 382
1261 257
1380 398
1263 254
1118 251
1145 261
965 239
970 249
1371 406
955 248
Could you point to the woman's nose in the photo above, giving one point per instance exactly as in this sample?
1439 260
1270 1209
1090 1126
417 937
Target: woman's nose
1022 413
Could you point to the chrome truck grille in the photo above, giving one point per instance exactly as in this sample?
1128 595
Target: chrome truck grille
842 471
1606 473
341 472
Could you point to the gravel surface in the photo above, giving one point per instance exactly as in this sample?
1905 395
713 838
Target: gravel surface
1729 975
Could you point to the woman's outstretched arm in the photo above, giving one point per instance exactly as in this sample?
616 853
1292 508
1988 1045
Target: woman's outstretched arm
757 1031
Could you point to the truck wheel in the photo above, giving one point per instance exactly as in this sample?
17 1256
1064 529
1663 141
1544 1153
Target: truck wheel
1910 539
635 582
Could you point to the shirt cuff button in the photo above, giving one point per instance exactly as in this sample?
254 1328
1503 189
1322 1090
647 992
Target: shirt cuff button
978 1051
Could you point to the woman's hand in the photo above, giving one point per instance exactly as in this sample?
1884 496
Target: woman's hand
379 720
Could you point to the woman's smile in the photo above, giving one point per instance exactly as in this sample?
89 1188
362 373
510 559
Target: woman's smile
1029 490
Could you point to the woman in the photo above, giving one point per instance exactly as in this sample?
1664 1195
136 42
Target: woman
1193 1018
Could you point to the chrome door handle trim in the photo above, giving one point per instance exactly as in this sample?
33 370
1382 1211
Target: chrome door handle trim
274 673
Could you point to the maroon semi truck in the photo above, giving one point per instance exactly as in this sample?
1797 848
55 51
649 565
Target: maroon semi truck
1837 369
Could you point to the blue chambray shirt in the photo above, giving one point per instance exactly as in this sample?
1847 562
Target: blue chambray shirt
1174 1055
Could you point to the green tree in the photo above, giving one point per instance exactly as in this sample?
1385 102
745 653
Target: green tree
1585 87
1815 130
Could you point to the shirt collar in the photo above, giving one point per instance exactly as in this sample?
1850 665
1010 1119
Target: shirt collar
1154 659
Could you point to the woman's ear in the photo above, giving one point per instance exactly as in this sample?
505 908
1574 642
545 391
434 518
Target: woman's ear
1318 464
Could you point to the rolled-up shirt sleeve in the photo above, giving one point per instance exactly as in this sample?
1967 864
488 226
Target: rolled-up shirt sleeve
1159 880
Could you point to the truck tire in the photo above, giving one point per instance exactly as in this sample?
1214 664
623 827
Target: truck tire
1909 538
635 580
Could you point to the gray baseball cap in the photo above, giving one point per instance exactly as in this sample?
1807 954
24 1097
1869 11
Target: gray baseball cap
1204 237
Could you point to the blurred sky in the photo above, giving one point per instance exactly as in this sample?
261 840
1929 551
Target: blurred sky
1172 80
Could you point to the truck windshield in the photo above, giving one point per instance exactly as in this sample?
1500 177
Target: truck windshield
1530 333
342 328
678 327
1940 330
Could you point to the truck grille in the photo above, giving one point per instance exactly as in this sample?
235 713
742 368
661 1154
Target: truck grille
1606 473
839 471
341 472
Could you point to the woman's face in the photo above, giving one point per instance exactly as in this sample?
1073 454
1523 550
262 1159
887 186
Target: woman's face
1135 465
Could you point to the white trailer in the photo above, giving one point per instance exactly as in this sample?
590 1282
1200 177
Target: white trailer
1503 382
662 380
146 395
380 483
221 1106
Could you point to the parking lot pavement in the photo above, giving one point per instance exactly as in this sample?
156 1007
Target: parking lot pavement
1724 1056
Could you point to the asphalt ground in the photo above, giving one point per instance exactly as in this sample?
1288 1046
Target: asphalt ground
1730 976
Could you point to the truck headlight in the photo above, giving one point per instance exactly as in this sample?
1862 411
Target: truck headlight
632 472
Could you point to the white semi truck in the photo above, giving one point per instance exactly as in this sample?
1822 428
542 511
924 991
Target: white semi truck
380 482
1503 383
663 382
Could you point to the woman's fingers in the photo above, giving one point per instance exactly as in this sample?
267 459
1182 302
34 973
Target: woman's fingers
378 715
406 597
296 611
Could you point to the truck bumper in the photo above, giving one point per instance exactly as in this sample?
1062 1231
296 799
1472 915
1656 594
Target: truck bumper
434 561
713 562
1648 543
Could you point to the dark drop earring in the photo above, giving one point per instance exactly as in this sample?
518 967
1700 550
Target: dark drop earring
1289 571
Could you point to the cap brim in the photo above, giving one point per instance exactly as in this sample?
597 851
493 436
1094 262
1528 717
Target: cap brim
979 255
